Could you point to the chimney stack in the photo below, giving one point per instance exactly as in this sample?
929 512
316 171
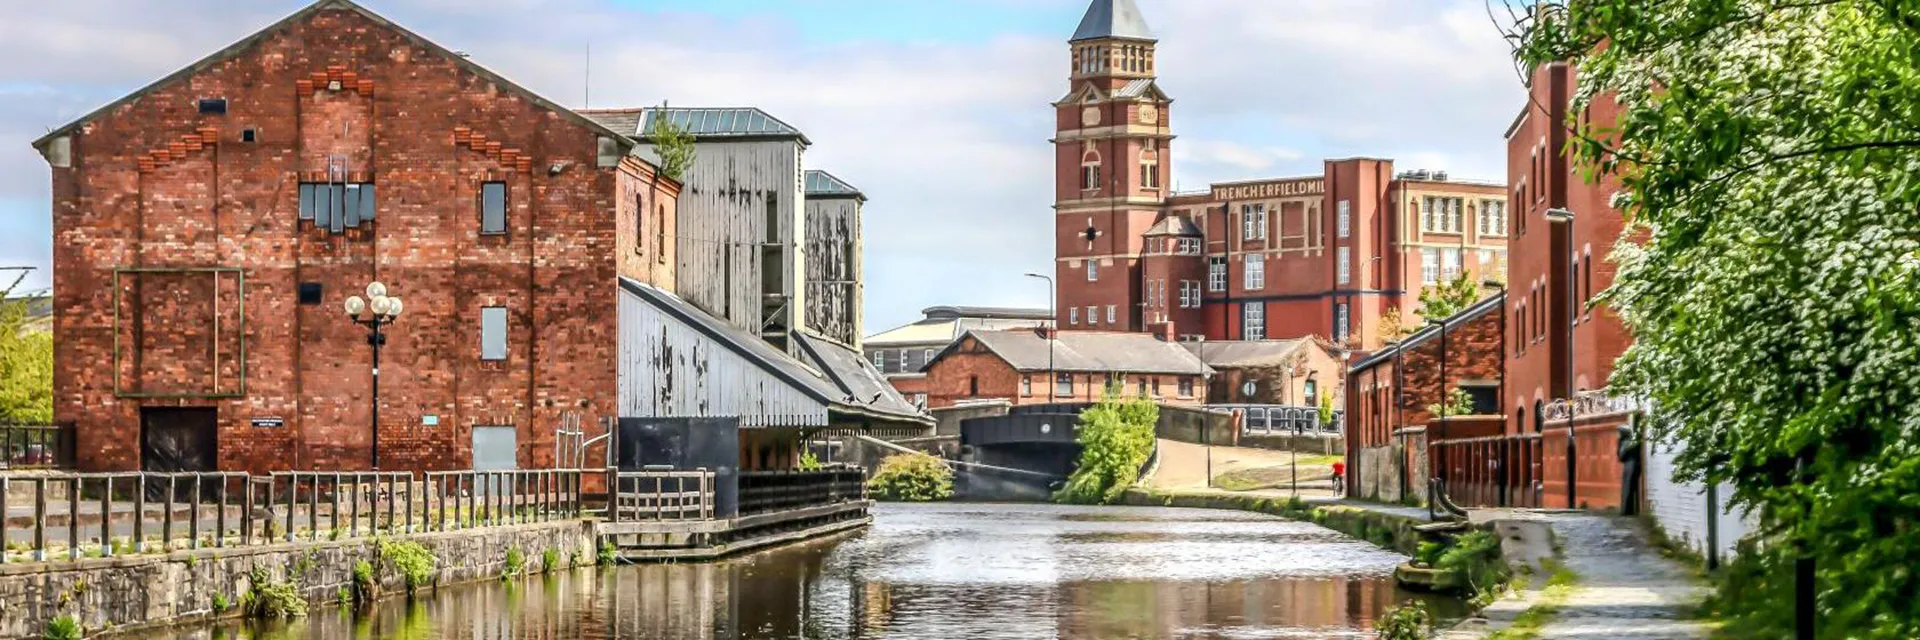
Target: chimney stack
1046 332
1164 331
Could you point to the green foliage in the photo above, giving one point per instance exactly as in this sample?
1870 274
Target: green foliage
1447 297
1116 438
345 596
607 556
1460 404
1393 325
1326 409
674 146
1428 553
516 563
221 603
413 561
26 365
1475 558
809 462
549 560
63 628
912 477
1754 593
365 586
1766 153
1411 621
270 600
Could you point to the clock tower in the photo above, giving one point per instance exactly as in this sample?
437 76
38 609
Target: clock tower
1112 162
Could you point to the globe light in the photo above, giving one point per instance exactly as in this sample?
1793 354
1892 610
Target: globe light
379 305
376 290
393 306
355 306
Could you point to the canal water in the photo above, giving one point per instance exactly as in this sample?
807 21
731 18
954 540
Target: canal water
936 572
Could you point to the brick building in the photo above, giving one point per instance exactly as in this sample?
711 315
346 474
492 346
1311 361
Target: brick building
209 226
1515 449
901 352
1324 254
1045 366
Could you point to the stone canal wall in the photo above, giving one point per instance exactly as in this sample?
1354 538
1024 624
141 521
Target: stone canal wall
125 593
1381 526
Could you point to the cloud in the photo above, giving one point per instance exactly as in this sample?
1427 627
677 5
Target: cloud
948 138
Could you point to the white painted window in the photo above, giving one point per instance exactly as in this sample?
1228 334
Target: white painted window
1189 246
1093 315
1450 263
1026 385
1186 387
1189 294
1253 321
1217 274
1253 222
1340 322
493 333
879 359
1093 271
1344 256
1429 265
1113 314
1256 268
1073 315
1345 222
1063 384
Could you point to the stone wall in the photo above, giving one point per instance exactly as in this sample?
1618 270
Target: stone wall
1376 473
1317 444
1197 426
147 591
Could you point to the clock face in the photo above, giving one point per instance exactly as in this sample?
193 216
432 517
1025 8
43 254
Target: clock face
1090 116
1149 114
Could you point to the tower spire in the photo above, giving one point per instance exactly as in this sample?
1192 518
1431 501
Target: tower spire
1113 19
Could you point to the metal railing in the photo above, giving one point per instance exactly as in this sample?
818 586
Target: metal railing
35 447
76 515
657 495
769 491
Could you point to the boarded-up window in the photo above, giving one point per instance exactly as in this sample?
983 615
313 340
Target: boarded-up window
336 206
493 208
493 333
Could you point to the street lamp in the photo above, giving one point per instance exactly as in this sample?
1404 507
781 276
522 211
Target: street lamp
1559 216
1052 385
378 309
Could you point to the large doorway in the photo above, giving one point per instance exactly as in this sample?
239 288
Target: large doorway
179 439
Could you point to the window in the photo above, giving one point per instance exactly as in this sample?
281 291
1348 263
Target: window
1093 271
1149 167
493 333
973 386
1112 314
1063 384
639 223
1340 322
1026 385
1093 314
1073 315
926 356
1253 321
1344 222
1256 272
1186 387
309 293
660 234
880 360
1441 215
903 361
1216 274
1588 278
1253 221
336 206
1188 246
1449 263
1141 388
1454 215
1493 218
1090 171
1429 265
1312 389
1344 255
493 208
1189 294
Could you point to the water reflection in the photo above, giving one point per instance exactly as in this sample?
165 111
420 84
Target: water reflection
941 571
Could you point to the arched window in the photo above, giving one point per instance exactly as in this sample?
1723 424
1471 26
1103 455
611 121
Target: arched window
1090 170
1150 166
1588 277
1312 392
660 234
1539 416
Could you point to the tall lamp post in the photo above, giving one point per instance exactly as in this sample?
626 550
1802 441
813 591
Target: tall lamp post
1564 217
377 310
1052 385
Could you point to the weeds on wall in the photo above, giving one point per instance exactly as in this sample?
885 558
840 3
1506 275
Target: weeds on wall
911 477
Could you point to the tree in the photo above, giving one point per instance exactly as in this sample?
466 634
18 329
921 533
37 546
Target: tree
1766 153
1393 326
26 364
672 143
1458 404
1448 297
1116 437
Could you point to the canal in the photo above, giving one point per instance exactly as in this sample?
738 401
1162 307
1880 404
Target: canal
937 572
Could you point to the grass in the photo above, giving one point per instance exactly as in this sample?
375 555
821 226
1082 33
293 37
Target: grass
1278 476
1561 583
63 628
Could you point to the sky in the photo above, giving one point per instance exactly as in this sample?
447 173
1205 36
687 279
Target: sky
937 109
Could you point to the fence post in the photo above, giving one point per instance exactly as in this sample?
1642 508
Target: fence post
193 515
40 519
246 509
293 497
408 518
106 517
6 484
73 518
1713 526
220 518
313 507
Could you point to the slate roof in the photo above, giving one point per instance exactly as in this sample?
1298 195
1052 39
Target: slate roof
1244 353
945 324
1173 226
1095 351
858 381
248 42
1489 305
821 184
1134 88
1112 19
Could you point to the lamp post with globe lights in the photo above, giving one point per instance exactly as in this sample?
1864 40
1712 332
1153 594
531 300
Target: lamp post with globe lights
377 310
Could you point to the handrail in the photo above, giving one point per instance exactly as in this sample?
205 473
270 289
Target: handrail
119 512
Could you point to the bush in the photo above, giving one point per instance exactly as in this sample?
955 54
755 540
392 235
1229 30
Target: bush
607 555
809 462
273 600
1116 437
1410 621
1475 557
549 560
63 628
516 563
912 477
412 560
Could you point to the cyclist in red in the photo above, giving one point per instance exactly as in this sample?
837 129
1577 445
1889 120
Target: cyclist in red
1339 478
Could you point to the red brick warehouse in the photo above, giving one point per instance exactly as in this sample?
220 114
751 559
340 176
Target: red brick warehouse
1324 254
209 227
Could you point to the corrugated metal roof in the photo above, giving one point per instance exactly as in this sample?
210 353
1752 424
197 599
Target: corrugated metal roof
1112 19
823 184
717 122
1026 350
862 386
